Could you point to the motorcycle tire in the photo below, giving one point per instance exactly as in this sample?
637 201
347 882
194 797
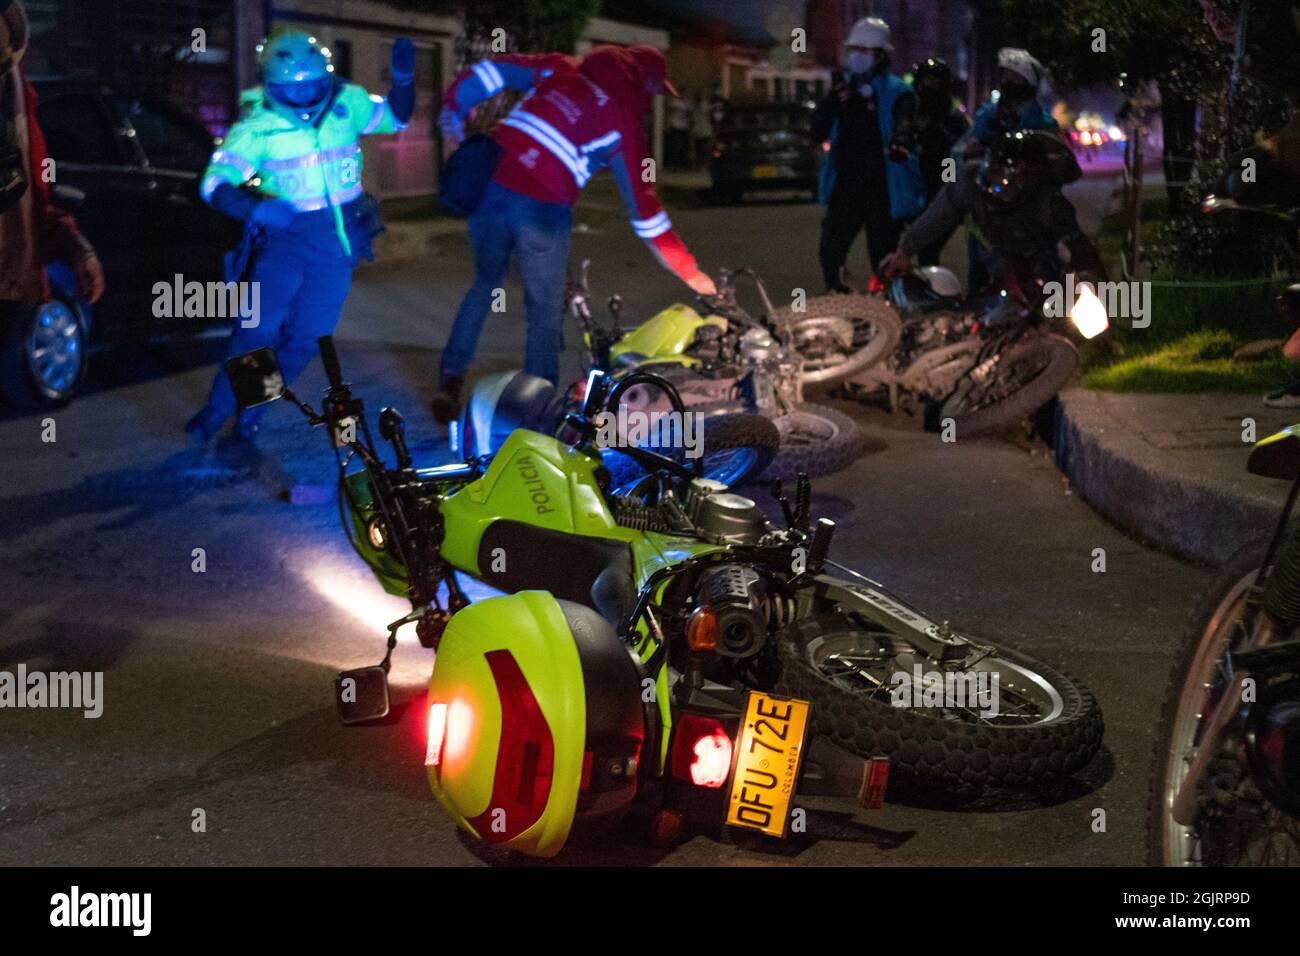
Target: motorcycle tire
928 750
813 335
1062 361
815 440
1184 700
737 449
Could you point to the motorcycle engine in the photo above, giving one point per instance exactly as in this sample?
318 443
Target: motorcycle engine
719 515
776 370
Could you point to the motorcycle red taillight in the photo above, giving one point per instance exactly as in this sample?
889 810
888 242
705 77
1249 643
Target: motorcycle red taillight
701 751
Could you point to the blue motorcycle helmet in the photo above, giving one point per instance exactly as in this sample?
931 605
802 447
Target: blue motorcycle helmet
297 71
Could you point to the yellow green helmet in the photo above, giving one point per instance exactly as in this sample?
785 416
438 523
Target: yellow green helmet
535 722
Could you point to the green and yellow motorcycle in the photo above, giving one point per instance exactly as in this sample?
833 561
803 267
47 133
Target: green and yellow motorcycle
725 363
667 652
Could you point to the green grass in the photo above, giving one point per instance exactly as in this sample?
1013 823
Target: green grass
1198 362
1195 327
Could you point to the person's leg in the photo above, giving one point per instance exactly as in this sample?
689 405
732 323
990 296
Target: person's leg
844 218
883 230
315 312
278 272
491 242
542 243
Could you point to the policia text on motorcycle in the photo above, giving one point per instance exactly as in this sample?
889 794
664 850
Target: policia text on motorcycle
291 170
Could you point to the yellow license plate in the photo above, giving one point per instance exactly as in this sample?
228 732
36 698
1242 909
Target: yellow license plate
766 172
768 754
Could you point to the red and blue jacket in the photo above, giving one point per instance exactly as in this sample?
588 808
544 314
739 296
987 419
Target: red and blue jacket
575 119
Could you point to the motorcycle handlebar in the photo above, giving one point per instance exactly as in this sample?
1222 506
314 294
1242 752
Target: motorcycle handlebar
330 358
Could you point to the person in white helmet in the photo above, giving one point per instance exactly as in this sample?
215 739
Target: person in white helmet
1014 108
871 177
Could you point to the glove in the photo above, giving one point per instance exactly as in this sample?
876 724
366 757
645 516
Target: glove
273 213
403 63
452 126
895 264
702 284
90 279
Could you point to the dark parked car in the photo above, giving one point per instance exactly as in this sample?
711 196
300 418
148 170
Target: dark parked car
765 146
129 170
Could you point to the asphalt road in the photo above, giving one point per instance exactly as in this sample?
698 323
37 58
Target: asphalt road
218 684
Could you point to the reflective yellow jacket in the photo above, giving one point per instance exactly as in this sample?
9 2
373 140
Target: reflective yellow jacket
313 167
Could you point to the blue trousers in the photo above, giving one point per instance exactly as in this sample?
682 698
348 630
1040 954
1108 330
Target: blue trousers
538 234
303 283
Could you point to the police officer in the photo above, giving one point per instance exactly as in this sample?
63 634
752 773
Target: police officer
872 177
291 170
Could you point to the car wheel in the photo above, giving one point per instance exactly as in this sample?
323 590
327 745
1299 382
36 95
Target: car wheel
43 354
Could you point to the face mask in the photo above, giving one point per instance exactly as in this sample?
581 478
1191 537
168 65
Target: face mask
861 62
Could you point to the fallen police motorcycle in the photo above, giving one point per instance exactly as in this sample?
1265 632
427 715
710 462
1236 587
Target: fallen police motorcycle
723 362
666 650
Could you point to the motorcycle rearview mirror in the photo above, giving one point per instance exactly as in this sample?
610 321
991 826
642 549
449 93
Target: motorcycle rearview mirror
361 695
255 378
392 428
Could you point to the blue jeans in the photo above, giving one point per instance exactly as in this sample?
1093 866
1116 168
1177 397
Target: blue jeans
304 280
538 233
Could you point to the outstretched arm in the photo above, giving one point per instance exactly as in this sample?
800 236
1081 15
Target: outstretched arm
650 219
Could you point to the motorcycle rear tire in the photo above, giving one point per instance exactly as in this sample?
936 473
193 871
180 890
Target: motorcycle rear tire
928 750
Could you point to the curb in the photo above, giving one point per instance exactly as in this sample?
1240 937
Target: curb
1151 495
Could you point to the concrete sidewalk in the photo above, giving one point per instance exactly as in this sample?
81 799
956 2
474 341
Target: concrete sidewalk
1171 469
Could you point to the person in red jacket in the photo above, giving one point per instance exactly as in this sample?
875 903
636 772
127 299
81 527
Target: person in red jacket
33 232
576 119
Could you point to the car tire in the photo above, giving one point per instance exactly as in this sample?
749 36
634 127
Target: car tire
31 378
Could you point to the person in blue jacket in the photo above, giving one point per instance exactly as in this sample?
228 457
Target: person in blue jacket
872 177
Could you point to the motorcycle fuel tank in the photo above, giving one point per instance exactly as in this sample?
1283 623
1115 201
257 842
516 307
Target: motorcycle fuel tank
667 334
